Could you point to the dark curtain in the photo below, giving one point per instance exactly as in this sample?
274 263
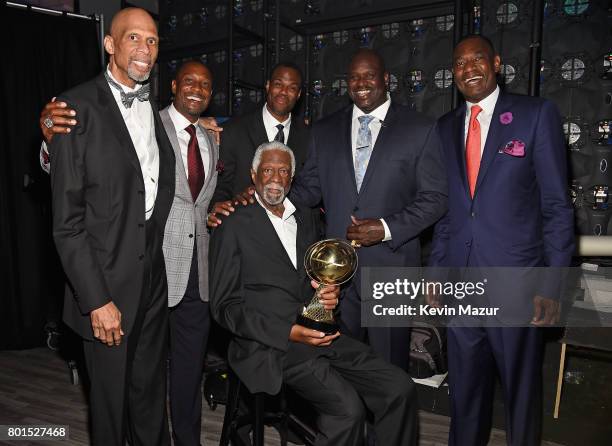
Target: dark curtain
42 56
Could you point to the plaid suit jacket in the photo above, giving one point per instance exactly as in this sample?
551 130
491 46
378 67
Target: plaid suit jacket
186 223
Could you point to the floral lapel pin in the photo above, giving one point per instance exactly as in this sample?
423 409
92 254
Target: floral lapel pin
515 147
220 166
506 118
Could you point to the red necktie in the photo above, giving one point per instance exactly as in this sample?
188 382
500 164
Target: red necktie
195 167
472 149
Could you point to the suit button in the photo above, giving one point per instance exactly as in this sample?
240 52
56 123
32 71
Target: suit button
473 214
468 243
141 256
141 225
190 235
356 208
141 192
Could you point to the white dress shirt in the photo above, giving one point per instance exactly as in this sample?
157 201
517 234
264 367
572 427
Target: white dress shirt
484 117
379 113
180 124
270 123
141 127
285 227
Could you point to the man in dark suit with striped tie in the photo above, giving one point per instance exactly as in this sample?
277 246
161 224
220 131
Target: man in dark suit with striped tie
274 121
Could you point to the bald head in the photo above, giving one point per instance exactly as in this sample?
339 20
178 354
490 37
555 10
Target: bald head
132 45
128 16
370 56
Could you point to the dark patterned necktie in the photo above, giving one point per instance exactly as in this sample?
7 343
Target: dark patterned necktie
127 99
195 166
280 136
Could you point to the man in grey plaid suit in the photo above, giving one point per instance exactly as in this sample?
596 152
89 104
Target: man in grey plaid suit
185 243
186 246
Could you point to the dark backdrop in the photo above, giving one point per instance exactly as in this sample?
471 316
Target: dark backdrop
42 55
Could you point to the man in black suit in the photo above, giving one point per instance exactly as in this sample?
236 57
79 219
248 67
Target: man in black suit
377 167
112 181
185 238
241 136
258 288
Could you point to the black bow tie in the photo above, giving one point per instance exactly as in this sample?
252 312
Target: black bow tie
127 99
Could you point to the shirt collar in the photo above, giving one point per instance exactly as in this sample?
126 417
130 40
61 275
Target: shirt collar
271 121
179 121
125 87
487 104
379 112
289 208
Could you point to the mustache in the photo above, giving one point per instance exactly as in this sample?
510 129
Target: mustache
274 187
141 58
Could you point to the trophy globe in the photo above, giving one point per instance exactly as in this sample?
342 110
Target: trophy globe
327 262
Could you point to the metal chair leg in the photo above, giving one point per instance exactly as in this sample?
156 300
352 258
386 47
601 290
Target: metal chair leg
258 424
231 409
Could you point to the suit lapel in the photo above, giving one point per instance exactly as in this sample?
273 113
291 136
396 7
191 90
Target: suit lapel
212 165
264 231
381 142
294 133
257 131
301 242
345 145
459 143
113 114
166 152
171 132
494 135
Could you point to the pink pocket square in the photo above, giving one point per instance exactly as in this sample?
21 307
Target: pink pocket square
516 147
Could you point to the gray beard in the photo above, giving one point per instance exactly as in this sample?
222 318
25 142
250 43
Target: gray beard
273 201
133 74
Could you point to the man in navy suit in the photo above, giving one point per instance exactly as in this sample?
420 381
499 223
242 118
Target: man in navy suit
508 206
377 168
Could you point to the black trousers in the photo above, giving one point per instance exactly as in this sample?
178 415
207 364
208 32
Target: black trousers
344 379
189 327
391 343
128 382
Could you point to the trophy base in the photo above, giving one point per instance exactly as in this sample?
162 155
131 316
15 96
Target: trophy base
328 328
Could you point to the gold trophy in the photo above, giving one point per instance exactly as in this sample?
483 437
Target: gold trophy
328 262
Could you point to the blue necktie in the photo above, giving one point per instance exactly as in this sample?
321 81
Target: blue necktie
364 148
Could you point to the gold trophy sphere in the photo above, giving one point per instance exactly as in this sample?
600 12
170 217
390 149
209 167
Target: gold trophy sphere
330 262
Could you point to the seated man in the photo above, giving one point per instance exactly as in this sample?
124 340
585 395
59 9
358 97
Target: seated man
259 286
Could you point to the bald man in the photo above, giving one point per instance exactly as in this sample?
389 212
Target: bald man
112 181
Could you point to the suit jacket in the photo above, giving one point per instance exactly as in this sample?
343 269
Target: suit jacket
186 223
405 182
99 206
256 293
240 139
520 215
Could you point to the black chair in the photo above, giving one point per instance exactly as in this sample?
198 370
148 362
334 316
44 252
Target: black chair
252 414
